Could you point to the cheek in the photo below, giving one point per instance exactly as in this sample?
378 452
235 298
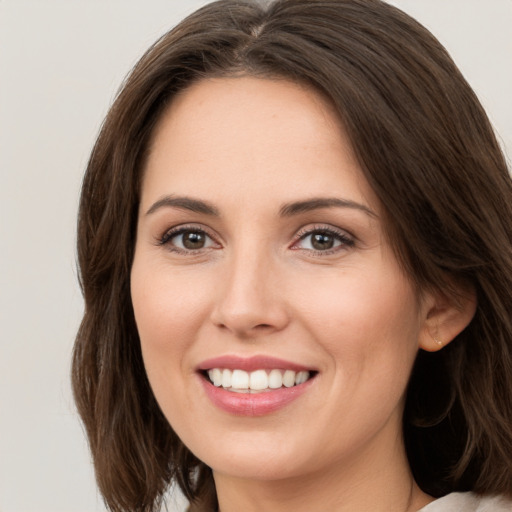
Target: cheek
368 326
169 310
167 305
363 320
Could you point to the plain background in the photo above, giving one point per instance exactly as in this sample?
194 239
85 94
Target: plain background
61 62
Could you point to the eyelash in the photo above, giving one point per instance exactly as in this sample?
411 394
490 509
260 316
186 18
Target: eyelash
345 240
166 238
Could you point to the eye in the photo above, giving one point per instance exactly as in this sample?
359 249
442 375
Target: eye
187 239
323 240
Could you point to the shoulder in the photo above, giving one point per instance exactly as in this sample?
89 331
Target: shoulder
469 502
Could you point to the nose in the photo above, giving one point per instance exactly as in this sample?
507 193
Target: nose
251 298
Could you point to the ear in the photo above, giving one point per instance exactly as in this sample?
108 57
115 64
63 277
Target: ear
446 316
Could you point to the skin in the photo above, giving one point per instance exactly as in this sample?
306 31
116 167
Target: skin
248 147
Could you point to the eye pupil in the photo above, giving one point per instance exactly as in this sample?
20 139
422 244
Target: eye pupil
322 241
193 240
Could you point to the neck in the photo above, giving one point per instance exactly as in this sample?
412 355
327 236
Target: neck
376 481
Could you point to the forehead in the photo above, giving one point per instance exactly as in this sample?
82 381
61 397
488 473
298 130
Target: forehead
252 136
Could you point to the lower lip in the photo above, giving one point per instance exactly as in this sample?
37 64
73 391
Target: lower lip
253 404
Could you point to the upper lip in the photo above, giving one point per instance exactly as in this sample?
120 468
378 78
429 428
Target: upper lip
259 362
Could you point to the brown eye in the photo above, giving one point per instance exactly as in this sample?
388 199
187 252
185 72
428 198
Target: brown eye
322 241
187 239
193 240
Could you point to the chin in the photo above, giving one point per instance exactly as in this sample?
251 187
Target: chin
256 455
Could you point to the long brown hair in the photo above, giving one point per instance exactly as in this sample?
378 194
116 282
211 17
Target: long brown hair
429 152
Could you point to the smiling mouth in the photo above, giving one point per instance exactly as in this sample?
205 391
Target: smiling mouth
257 381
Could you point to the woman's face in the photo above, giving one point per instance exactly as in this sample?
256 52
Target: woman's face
261 256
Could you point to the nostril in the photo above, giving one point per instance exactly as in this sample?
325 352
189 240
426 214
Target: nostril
246 319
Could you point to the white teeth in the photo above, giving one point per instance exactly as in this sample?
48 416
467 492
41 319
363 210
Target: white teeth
289 378
215 376
258 380
226 378
239 379
301 377
275 379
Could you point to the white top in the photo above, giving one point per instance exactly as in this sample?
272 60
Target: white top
469 502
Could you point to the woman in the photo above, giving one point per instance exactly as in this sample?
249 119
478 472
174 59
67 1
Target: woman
295 251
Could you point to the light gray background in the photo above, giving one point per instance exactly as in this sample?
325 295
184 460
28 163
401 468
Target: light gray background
61 62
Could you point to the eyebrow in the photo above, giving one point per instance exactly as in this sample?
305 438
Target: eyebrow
317 203
287 210
184 203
